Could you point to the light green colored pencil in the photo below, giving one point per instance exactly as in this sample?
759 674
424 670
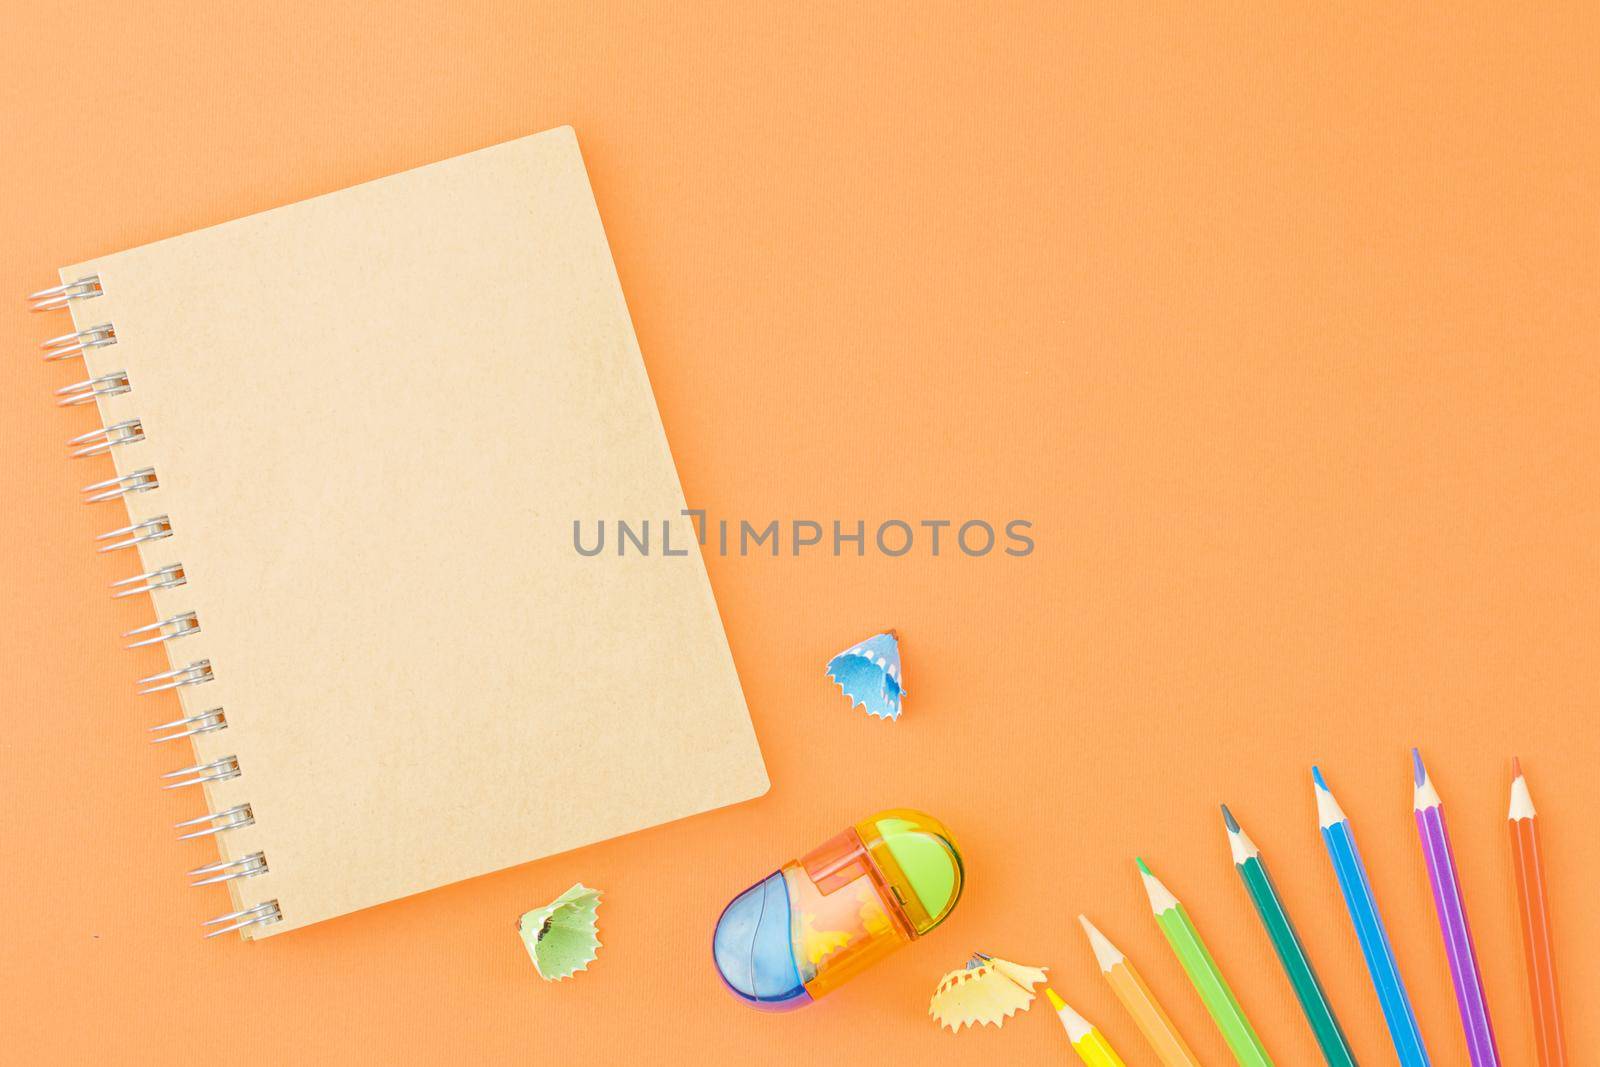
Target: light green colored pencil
1203 974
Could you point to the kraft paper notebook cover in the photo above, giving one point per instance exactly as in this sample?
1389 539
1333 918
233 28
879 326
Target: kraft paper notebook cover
352 436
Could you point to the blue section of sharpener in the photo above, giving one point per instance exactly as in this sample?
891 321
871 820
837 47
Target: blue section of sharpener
754 948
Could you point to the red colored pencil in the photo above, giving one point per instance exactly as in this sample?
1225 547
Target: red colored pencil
1535 915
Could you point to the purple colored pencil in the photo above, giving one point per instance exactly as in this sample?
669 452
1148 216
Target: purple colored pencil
1463 956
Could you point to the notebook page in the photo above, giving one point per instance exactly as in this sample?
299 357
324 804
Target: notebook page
375 416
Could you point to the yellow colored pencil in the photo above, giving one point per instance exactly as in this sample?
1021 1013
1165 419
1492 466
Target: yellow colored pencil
1148 1015
1090 1044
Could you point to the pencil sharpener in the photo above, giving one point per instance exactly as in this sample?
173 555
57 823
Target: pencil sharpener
819 921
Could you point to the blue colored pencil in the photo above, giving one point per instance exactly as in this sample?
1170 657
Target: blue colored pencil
1363 907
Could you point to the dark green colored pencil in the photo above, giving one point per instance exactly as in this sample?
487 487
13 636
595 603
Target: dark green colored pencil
1286 943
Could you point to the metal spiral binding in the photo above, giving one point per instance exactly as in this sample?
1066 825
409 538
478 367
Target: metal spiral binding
263 914
227 819
98 442
247 866
218 770
196 673
59 296
168 629
136 533
169 577
79 341
204 723
91 389
140 481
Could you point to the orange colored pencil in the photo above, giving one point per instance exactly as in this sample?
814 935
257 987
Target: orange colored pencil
1535 915
1136 998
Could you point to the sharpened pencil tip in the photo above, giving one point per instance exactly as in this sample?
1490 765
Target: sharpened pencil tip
1106 954
1140 861
1055 998
1316 776
1229 821
1521 799
1419 773
1161 898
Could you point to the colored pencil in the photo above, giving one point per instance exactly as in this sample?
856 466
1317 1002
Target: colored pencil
1462 954
1534 912
1148 1015
1286 943
1090 1044
1203 973
1374 939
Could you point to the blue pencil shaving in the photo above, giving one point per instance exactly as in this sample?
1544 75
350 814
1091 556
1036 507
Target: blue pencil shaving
869 674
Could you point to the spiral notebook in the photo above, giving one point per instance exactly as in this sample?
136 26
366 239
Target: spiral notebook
352 437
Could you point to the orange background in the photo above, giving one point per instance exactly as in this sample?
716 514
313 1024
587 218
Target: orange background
1281 330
